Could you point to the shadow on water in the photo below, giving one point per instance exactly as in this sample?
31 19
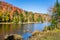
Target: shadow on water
24 30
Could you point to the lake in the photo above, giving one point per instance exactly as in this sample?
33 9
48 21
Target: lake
22 29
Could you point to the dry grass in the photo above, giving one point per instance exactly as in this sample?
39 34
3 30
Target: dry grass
48 35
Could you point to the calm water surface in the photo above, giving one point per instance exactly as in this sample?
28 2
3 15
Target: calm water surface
22 29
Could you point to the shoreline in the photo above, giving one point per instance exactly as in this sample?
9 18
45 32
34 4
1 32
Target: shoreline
19 23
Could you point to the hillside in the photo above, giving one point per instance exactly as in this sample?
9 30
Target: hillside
10 13
8 8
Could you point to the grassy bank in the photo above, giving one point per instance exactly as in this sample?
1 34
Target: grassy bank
47 35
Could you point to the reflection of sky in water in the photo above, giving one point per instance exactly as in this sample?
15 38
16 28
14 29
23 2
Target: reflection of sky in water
26 36
40 26
34 27
25 30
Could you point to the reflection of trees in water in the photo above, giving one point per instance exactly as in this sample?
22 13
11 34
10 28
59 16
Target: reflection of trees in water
5 28
15 28
1 32
28 27
0 28
22 29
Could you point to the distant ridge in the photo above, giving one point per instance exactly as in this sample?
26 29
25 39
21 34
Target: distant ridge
4 6
13 11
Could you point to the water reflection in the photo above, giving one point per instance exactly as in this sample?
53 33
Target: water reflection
14 29
23 29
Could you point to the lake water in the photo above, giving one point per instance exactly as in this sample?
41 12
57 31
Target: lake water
22 29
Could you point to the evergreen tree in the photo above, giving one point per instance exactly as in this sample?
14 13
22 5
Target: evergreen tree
56 15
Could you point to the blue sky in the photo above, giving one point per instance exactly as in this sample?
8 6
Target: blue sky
40 6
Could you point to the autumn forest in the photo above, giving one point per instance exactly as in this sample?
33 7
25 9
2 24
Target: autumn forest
14 14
